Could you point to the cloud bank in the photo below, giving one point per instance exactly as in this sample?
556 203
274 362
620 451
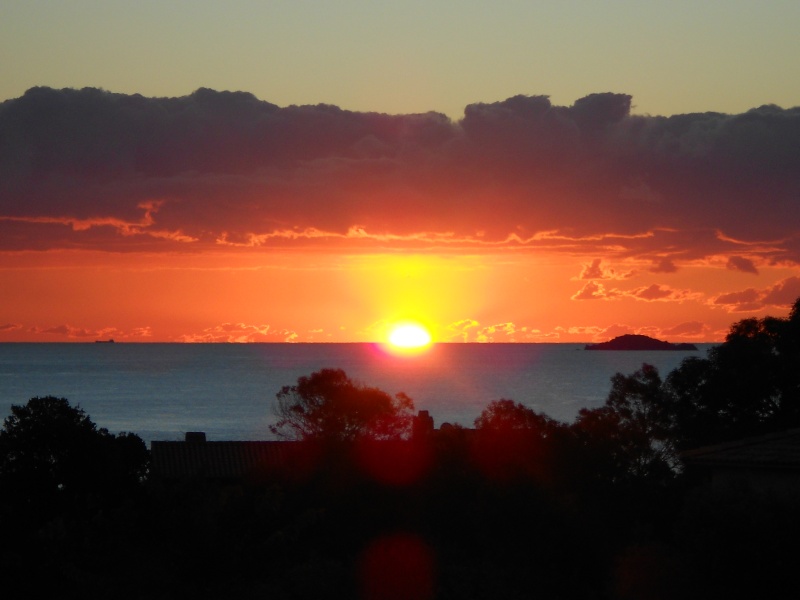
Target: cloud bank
92 169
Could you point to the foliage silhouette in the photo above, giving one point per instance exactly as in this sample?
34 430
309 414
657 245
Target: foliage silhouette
507 415
50 449
66 489
748 385
511 442
329 406
633 430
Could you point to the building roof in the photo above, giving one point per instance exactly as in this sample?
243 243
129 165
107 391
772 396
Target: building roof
219 460
773 451
390 461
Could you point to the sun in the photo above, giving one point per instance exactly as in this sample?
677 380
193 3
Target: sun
409 336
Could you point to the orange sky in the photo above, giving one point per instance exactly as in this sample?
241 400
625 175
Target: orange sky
221 217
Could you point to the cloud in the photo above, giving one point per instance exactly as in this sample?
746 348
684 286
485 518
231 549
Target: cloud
471 331
91 169
240 333
689 329
640 191
67 331
591 330
745 300
653 292
592 271
739 263
120 227
596 291
613 331
596 270
656 292
10 328
501 332
663 265
782 295
461 330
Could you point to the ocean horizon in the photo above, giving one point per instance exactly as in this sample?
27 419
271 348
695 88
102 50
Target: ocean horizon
161 390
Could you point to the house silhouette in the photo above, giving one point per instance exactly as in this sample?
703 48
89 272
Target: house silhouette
767 463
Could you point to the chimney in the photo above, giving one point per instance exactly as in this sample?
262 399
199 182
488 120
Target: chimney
423 424
194 437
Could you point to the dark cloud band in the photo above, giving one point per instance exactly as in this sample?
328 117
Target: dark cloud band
89 168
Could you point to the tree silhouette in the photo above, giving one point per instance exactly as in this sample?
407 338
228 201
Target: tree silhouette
507 415
328 405
633 430
511 442
51 450
748 385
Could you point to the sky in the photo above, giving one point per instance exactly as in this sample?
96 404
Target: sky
304 171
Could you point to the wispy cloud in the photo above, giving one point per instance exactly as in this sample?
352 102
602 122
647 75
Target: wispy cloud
597 270
462 330
651 293
656 292
66 331
740 263
782 295
596 291
689 329
501 332
663 265
240 333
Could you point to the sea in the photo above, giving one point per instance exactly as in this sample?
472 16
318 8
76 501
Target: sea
162 391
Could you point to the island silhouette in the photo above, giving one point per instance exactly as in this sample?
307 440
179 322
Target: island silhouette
638 342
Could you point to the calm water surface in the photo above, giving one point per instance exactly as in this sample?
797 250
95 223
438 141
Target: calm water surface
160 391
